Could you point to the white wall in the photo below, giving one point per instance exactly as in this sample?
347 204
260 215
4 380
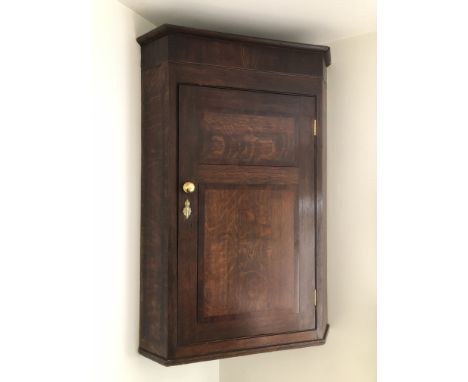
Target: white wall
350 352
117 186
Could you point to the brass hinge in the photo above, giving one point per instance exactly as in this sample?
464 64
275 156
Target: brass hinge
315 127
315 297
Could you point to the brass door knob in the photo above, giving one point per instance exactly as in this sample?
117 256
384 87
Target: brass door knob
188 187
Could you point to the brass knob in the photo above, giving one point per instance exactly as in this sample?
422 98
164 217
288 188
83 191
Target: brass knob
188 187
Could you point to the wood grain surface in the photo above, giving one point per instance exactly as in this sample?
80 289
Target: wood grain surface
234 115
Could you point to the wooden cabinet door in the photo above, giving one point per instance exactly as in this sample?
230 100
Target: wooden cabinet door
246 253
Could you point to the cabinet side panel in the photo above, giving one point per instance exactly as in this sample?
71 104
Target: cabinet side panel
321 246
324 254
155 209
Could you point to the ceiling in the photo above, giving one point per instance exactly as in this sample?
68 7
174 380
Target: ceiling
307 21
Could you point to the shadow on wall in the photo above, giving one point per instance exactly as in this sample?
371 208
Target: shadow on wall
265 29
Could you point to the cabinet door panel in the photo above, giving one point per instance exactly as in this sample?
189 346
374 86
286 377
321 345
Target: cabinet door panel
246 254
229 138
247 261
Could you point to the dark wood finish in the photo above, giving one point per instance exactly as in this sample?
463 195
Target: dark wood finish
252 238
227 138
234 115
158 210
248 232
220 350
179 44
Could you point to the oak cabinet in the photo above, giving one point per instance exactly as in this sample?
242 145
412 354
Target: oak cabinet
233 228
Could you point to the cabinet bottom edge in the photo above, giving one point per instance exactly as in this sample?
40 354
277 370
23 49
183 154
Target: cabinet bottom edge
230 353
